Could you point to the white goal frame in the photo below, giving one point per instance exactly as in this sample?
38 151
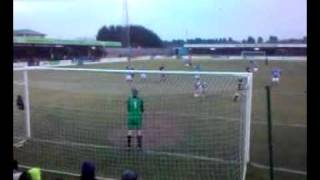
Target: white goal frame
248 102
257 53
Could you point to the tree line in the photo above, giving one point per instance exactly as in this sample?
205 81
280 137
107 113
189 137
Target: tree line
249 40
139 36
134 35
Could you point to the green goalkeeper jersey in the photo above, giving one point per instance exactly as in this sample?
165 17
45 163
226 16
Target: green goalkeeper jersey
135 110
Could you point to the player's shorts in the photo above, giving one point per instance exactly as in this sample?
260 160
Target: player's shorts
199 90
143 76
128 77
134 122
255 69
275 79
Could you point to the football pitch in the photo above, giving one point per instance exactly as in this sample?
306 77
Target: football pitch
77 116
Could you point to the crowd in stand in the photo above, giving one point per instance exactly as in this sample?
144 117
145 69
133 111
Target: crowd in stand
87 173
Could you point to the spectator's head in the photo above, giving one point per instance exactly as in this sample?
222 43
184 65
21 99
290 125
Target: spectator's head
129 175
35 173
87 171
25 176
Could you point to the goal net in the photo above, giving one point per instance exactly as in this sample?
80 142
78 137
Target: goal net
251 55
72 115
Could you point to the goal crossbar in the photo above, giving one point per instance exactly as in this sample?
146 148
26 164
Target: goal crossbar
243 74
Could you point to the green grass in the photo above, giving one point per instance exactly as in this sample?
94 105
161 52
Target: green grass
89 108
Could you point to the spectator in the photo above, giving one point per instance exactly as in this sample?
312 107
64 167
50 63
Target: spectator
35 173
87 171
129 175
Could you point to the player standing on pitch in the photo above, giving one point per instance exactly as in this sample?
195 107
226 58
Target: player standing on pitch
143 76
162 76
134 120
254 66
200 88
241 87
276 72
128 76
248 69
190 57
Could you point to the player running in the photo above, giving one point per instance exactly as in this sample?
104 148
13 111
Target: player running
200 88
275 73
198 69
135 109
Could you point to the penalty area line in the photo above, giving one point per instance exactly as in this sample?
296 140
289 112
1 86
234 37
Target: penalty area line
18 83
281 169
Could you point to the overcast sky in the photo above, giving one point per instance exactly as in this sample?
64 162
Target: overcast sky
170 19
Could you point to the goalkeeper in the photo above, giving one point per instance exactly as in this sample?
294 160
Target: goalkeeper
135 109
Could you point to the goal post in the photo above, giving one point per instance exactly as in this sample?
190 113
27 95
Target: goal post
257 54
21 88
77 114
248 112
27 103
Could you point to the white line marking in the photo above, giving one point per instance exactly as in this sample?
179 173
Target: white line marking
67 143
236 119
20 143
18 83
281 124
279 169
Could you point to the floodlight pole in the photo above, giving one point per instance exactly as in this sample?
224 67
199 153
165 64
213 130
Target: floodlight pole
127 27
270 132
266 60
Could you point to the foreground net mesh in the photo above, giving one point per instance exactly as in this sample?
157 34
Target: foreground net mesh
79 115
